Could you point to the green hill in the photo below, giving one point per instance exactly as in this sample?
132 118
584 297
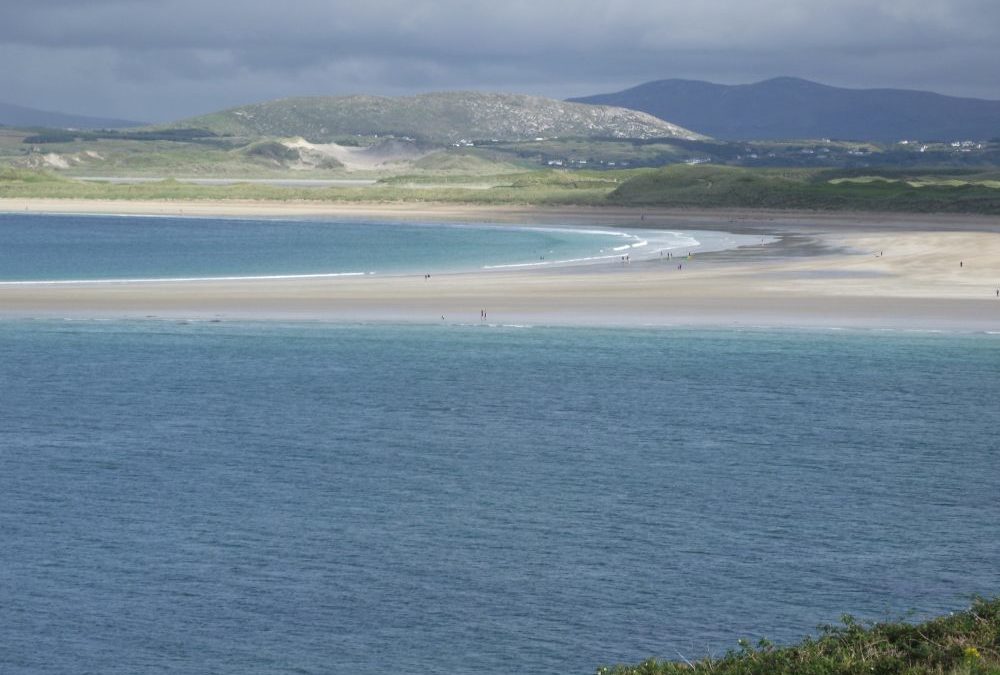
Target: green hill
455 117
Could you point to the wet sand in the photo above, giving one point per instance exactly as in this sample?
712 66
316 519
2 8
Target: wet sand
888 271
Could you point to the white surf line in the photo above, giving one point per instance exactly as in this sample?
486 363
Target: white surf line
545 228
550 262
158 280
690 243
554 262
638 244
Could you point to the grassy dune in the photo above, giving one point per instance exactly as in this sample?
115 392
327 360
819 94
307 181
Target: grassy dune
815 189
705 186
540 187
964 643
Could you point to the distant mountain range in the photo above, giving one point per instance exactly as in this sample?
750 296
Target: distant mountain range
450 117
19 116
783 108
791 108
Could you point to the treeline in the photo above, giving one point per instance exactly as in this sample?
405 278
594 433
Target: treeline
71 135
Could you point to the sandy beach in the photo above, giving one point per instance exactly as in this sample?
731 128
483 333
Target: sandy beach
887 271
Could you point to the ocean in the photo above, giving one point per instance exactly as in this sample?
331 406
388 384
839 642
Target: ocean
36 247
320 498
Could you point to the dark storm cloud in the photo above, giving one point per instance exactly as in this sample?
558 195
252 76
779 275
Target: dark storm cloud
139 57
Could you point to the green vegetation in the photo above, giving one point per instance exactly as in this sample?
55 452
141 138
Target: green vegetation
466 163
604 152
260 142
272 150
965 643
24 176
70 135
708 186
539 187
682 186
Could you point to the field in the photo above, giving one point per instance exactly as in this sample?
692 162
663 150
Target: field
539 187
682 186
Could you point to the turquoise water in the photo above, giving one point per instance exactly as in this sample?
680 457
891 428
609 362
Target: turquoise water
266 498
61 247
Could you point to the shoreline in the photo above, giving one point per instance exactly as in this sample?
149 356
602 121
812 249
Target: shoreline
722 218
877 271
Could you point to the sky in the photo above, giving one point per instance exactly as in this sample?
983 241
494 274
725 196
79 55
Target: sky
161 60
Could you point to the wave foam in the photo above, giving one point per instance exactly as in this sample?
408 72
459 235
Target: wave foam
157 280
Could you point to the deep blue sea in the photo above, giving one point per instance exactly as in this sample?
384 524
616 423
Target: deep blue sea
270 498
35 247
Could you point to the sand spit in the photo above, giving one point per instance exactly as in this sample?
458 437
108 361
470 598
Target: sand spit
847 270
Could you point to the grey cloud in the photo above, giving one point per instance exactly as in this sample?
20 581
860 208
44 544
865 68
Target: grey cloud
256 49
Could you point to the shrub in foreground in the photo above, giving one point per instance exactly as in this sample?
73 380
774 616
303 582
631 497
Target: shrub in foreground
964 643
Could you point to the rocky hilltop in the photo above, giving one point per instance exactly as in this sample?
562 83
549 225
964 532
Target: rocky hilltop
453 117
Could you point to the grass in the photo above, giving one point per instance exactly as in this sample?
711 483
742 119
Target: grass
929 181
27 177
704 186
964 643
511 189
709 186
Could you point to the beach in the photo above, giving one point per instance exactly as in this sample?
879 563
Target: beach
366 471
881 271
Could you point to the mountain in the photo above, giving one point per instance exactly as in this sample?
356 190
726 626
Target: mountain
19 116
449 117
788 108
